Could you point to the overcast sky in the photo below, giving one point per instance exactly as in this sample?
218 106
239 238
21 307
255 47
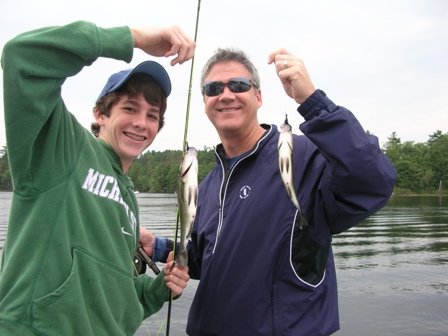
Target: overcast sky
385 60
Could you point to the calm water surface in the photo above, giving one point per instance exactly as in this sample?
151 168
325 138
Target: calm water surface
392 268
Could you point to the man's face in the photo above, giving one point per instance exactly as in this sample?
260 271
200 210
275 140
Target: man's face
232 112
130 128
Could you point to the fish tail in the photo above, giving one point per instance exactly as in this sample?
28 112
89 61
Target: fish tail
302 220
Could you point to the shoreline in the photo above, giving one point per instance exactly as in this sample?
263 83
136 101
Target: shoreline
413 195
393 194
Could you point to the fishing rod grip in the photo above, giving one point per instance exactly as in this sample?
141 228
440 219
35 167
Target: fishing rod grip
154 267
149 261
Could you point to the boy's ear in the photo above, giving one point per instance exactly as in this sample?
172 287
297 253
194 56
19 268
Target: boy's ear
99 117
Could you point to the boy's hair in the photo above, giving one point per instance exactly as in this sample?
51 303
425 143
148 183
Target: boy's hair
138 83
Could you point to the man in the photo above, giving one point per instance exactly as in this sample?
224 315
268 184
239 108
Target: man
74 224
264 270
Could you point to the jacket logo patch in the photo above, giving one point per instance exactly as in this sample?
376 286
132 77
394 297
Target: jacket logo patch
244 192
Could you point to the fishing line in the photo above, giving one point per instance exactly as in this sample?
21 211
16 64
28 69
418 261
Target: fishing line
184 146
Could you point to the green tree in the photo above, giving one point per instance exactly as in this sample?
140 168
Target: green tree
392 148
206 161
437 158
5 174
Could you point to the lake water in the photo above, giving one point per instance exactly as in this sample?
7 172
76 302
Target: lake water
392 268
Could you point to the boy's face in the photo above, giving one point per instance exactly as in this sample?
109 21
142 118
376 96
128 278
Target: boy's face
130 128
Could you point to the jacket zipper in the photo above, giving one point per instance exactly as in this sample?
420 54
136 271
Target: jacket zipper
227 174
222 193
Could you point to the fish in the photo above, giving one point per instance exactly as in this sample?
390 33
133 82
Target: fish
285 165
187 199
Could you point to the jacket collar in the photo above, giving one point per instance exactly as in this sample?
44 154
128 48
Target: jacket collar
220 153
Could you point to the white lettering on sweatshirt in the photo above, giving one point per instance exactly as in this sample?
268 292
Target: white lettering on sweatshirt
106 186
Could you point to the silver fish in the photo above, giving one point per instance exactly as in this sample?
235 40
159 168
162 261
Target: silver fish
285 164
187 198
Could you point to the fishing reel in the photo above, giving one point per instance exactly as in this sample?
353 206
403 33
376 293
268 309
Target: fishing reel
139 264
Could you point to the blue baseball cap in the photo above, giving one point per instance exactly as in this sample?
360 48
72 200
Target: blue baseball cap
151 68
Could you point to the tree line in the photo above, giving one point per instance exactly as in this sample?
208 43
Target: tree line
422 167
157 172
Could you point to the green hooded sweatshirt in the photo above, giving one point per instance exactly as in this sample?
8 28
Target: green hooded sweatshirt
73 225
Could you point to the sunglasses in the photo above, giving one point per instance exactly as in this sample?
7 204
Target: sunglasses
236 85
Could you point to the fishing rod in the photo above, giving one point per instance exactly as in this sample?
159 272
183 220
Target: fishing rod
184 145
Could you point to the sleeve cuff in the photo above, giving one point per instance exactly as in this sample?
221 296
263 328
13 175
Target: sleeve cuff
162 247
314 104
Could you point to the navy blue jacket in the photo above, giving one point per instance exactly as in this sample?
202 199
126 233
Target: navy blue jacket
260 273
